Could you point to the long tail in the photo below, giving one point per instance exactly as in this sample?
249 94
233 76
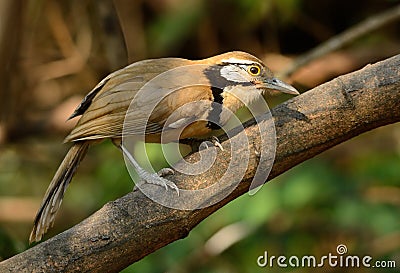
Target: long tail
55 192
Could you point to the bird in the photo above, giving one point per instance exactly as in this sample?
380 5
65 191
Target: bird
102 112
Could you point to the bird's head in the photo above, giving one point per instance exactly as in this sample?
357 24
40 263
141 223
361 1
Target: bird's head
241 68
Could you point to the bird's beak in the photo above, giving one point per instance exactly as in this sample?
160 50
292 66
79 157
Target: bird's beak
275 84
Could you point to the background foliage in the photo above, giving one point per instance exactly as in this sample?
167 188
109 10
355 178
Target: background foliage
53 52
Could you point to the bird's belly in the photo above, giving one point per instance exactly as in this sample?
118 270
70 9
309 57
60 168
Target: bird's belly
196 129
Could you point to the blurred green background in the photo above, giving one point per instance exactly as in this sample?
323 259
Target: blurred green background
53 52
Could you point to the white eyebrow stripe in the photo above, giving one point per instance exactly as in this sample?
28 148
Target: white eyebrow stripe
233 60
232 74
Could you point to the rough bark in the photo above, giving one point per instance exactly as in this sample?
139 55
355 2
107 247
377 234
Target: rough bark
127 229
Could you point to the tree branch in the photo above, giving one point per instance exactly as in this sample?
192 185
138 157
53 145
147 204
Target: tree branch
127 229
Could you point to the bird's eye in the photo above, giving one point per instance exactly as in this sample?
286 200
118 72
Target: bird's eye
254 70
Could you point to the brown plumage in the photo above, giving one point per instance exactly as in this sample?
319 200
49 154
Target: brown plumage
104 109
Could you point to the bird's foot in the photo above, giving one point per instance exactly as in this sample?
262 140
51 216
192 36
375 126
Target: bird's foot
151 178
214 140
200 144
157 179
165 171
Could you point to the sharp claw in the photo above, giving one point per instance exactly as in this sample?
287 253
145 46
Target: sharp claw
203 144
165 171
173 186
157 180
216 143
165 186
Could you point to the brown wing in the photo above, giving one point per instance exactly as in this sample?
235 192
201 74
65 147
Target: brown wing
151 115
103 109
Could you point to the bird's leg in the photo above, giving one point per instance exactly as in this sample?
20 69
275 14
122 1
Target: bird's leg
151 178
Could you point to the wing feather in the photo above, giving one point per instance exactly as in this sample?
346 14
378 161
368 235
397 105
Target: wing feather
103 109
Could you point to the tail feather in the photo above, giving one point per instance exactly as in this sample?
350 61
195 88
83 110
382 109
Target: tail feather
55 192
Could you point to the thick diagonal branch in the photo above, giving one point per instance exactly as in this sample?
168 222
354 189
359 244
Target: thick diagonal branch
127 229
